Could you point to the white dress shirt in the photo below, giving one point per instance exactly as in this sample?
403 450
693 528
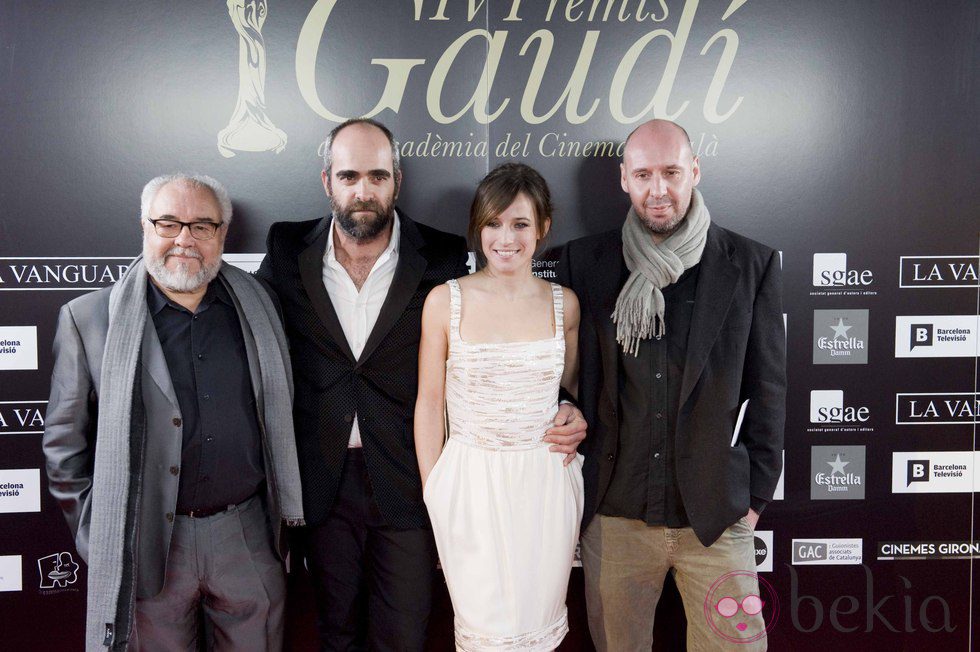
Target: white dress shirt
358 311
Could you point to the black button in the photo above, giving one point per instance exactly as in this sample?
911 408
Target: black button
200 356
610 457
170 516
207 396
209 438
205 479
174 470
349 418
195 317
656 456
176 421
660 415
659 375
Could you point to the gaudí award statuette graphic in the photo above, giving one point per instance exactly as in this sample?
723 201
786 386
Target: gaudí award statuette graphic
250 129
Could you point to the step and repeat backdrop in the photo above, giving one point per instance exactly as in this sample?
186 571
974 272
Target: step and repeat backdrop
843 134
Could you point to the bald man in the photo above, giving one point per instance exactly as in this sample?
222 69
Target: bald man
683 383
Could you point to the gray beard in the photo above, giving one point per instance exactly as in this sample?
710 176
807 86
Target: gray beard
179 280
364 230
663 229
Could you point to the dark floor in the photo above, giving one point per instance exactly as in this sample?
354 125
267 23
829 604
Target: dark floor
301 626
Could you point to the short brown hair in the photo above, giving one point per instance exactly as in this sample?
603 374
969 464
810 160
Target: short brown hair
497 192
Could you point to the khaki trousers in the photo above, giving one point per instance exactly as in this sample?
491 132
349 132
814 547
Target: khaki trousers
625 564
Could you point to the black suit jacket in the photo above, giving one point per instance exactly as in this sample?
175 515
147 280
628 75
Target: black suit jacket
380 387
736 351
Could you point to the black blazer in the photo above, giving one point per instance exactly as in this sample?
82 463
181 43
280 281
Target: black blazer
736 350
380 387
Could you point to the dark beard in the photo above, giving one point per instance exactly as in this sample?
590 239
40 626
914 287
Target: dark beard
364 230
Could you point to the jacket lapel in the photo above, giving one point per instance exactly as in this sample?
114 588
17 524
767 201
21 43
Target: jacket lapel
251 349
712 300
610 274
408 273
154 362
311 273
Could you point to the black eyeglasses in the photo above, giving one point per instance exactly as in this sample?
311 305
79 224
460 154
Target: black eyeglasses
172 228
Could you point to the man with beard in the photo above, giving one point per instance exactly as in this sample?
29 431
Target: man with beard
169 438
681 339
352 286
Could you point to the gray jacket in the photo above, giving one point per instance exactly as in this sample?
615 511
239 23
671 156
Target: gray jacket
71 425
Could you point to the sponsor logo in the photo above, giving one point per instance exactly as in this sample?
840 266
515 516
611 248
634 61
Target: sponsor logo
57 571
936 336
934 472
827 551
18 348
938 272
837 472
540 268
840 337
20 490
11 578
85 273
245 262
941 408
832 276
828 411
763 551
73 273
889 550
22 417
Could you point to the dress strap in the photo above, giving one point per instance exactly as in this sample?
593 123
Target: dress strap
557 298
455 308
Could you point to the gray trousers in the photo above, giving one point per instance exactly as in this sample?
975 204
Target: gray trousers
625 563
225 567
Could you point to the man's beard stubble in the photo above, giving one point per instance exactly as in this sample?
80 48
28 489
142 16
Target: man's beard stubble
668 228
364 229
663 229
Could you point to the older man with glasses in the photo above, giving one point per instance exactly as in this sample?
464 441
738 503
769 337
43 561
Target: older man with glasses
169 437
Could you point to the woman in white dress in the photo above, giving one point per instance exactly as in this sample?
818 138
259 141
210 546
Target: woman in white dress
495 346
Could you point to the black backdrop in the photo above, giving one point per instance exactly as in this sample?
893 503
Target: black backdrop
824 128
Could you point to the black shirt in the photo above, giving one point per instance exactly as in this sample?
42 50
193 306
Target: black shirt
221 453
644 484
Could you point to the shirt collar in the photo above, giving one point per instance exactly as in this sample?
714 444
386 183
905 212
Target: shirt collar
156 300
330 255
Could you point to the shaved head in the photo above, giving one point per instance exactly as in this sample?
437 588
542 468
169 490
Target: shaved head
659 172
660 128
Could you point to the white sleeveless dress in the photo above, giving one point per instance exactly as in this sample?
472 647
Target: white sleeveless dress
505 511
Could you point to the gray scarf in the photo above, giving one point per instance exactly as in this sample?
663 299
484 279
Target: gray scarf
639 312
111 490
